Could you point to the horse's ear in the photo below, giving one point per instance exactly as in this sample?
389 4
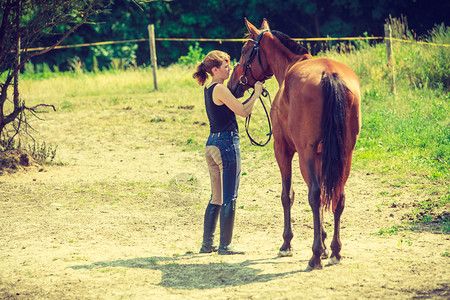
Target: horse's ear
251 29
265 24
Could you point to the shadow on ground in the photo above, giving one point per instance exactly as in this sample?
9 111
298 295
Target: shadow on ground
178 274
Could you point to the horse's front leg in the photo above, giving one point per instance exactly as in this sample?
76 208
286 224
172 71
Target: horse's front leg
284 160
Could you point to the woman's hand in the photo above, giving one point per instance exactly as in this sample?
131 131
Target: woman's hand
222 95
259 86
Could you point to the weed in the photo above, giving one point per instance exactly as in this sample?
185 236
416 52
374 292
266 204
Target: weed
404 242
66 105
43 153
153 261
393 230
379 206
104 270
157 120
174 264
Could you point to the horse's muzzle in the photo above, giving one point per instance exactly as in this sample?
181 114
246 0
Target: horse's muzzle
236 88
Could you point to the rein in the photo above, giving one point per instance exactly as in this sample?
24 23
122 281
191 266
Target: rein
265 93
243 80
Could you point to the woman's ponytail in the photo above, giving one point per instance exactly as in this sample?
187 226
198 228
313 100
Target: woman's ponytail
213 59
201 74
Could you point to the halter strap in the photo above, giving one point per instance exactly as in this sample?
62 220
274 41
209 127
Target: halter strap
247 65
244 81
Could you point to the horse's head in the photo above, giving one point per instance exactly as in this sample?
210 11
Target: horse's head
252 65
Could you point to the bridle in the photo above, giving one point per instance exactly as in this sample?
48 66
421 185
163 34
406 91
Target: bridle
243 80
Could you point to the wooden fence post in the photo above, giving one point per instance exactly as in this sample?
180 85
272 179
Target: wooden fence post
390 54
151 34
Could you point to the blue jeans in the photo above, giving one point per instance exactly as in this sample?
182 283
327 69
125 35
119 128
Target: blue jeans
223 156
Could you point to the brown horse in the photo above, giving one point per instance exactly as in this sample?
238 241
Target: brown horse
316 113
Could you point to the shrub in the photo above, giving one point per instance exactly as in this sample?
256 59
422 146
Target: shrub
194 56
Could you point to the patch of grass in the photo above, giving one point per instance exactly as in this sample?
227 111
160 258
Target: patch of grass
111 270
43 153
432 211
157 120
191 144
66 105
390 231
404 242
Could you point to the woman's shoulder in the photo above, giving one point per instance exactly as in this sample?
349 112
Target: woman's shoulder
221 90
214 84
220 87
222 94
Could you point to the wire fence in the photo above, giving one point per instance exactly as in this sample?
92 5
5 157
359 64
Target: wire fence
232 40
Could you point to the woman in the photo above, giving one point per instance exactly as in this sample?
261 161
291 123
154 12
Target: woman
222 149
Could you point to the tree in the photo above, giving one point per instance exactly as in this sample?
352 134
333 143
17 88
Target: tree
23 22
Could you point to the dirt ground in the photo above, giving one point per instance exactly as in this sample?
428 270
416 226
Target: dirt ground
122 219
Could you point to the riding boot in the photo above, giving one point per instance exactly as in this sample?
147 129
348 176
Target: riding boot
209 227
226 229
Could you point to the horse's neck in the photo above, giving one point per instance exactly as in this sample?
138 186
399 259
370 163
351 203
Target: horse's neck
282 60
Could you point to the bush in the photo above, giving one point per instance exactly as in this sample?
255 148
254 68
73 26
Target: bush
431 66
194 56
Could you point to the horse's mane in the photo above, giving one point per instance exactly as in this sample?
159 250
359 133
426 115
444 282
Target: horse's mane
286 40
289 43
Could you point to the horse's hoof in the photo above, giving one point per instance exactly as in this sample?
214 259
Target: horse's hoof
316 267
334 261
285 253
324 254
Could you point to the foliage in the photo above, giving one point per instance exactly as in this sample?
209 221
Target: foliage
128 20
11 153
194 56
436 75
42 153
23 23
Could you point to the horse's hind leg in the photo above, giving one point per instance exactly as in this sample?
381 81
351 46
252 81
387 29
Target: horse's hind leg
307 167
336 244
324 236
284 159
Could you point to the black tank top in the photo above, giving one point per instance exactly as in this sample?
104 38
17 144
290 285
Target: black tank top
221 118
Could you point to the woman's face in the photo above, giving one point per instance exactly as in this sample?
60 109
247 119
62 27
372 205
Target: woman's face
224 70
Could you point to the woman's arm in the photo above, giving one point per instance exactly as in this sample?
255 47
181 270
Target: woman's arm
222 95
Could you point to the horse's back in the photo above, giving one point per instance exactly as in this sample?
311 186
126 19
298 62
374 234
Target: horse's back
301 103
304 90
309 72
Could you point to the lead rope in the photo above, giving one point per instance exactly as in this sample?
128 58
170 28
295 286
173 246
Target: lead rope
264 93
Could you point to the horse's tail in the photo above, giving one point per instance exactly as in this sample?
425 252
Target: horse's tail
333 137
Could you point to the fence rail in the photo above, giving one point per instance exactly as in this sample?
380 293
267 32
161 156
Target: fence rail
232 40
387 39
